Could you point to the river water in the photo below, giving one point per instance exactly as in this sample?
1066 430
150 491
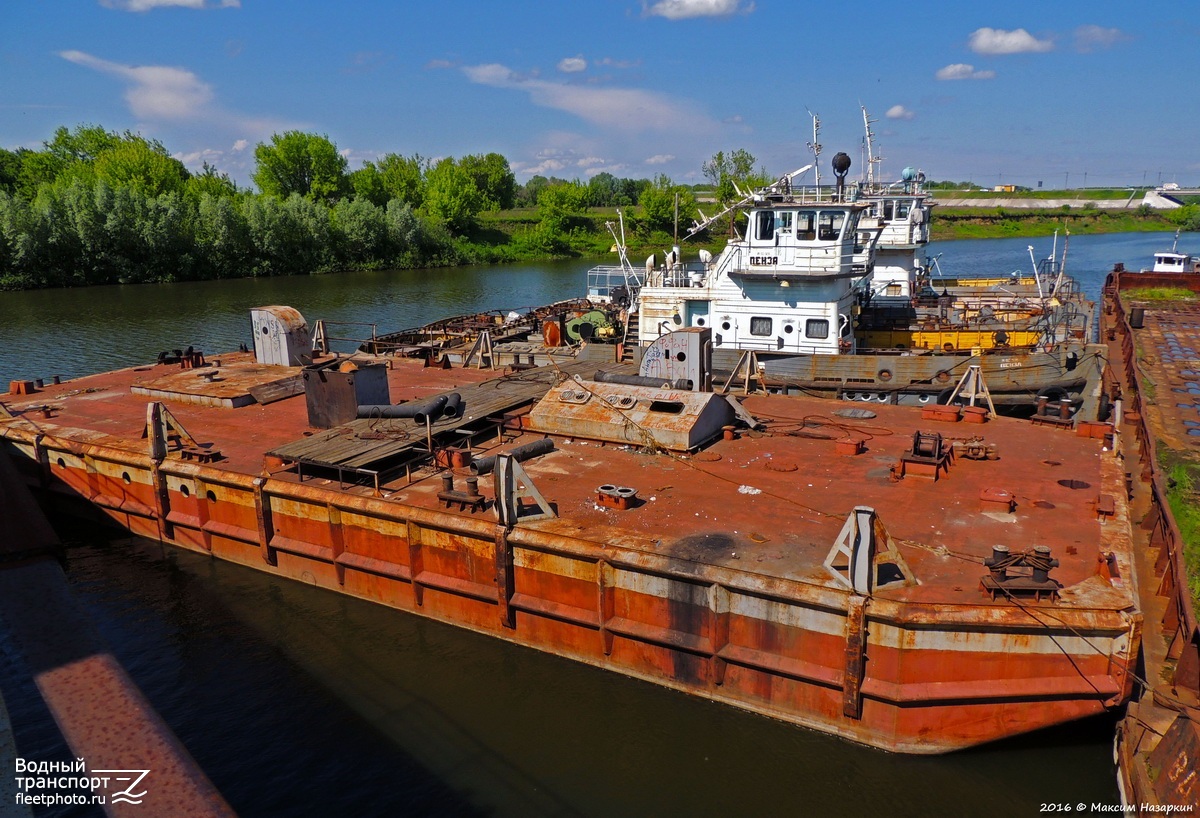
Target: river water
301 702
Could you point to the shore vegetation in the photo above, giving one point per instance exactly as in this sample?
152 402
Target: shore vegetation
94 206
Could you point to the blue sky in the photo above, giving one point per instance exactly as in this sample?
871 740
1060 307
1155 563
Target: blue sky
1018 92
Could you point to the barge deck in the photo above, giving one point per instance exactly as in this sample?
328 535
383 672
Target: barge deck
732 574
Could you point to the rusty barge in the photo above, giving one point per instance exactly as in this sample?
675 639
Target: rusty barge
1155 349
918 579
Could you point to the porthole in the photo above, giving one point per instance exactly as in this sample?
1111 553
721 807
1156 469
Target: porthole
789 329
699 322
184 490
681 356
211 495
725 325
126 478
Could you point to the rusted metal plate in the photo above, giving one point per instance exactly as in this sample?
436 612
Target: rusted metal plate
1177 760
637 415
227 386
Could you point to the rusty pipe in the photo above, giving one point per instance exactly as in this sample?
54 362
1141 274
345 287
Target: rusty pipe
420 412
484 465
637 380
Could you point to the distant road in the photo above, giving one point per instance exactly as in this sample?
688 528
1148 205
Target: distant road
1158 199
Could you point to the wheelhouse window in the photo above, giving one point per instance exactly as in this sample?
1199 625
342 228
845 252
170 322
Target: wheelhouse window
805 229
889 210
829 224
816 328
902 209
765 226
760 325
783 222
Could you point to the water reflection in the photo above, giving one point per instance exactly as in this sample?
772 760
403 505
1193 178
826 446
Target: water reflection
332 697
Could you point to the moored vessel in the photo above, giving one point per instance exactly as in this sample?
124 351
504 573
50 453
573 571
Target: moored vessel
1150 323
916 579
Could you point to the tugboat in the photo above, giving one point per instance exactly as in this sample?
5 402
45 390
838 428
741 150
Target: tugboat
826 293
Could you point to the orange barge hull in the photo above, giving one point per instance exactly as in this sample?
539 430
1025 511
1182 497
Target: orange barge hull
722 611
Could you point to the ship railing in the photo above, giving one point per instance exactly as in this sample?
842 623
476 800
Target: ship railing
322 338
691 274
604 278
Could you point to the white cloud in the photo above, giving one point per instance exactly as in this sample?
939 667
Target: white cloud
660 159
684 9
999 41
147 5
197 159
963 71
155 91
1093 37
609 62
362 62
623 109
589 161
899 112
546 166
166 94
572 65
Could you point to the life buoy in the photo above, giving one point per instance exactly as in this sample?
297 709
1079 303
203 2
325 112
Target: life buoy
883 375
942 376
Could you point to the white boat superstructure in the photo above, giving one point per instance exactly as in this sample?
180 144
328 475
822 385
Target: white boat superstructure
1174 263
787 286
898 216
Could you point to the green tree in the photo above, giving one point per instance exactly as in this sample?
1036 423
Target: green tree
210 181
222 237
368 185
302 163
728 173
451 196
657 203
85 143
136 164
404 178
557 202
494 178
37 168
604 190
529 192
363 230
10 170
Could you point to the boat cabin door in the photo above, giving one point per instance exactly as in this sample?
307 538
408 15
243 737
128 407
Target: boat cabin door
696 314
768 239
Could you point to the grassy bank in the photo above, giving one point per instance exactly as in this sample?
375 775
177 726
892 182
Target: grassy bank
998 222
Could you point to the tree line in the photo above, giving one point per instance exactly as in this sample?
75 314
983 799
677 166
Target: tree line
98 207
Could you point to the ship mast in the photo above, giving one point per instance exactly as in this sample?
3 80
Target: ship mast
815 146
872 159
